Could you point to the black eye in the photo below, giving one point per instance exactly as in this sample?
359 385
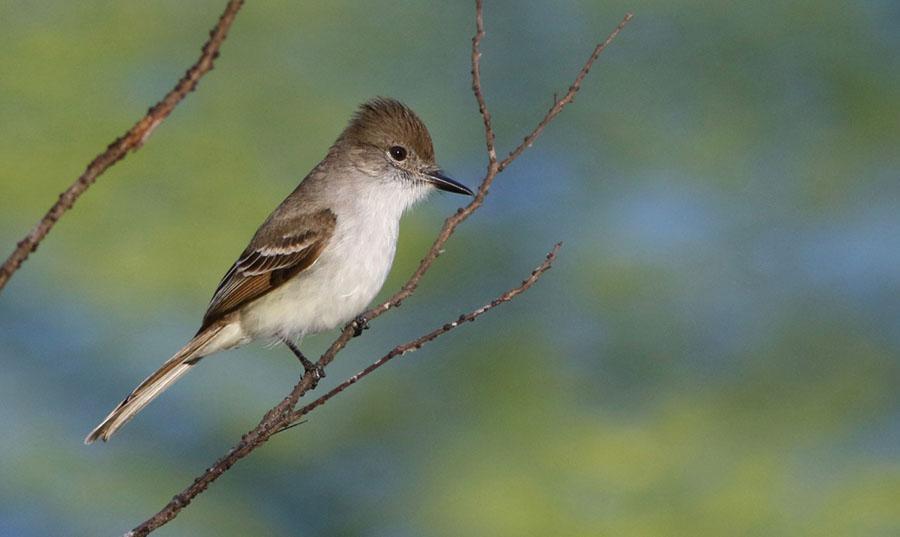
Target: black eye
398 153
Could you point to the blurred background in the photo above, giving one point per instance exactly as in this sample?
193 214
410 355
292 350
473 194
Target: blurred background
715 352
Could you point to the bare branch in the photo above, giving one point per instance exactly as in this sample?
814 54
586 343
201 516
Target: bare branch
476 83
130 141
417 343
268 425
494 167
281 418
559 104
285 413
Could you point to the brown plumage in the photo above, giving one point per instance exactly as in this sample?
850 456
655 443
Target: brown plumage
275 254
378 121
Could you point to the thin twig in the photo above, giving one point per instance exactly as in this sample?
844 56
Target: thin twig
494 168
130 141
267 426
285 412
476 83
417 343
281 418
559 104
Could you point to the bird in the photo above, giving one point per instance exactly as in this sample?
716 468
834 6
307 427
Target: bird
321 256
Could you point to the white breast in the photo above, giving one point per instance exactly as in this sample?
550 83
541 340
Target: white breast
346 277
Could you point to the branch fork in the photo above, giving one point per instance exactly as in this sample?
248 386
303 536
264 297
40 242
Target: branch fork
286 414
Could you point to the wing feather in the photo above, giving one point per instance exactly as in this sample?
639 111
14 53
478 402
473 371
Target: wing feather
275 255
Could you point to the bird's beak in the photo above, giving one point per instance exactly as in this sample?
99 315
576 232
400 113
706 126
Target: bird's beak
442 182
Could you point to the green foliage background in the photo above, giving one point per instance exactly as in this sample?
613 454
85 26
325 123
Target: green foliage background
715 353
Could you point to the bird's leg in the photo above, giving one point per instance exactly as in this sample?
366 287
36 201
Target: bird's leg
308 366
360 324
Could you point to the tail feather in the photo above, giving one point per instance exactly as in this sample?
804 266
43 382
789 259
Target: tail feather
152 386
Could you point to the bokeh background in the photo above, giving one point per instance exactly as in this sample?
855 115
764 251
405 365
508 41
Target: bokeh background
715 353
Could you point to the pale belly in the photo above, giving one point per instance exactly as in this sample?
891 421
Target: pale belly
337 288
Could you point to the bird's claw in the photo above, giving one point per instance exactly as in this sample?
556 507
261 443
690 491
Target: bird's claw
308 366
317 370
360 324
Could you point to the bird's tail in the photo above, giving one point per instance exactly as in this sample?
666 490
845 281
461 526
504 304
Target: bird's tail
155 384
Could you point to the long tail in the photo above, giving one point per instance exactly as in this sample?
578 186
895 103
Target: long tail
155 384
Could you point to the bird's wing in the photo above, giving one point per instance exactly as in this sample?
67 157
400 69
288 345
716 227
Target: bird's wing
274 256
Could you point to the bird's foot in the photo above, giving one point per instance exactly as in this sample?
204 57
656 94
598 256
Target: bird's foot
308 366
318 373
360 324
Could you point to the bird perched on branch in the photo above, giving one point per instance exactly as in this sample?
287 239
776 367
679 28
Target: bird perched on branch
322 255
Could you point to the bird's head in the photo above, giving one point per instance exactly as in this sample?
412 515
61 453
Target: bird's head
387 140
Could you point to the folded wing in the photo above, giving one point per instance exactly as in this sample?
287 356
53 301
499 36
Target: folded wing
273 257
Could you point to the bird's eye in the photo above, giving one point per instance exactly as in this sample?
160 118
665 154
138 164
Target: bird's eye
398 153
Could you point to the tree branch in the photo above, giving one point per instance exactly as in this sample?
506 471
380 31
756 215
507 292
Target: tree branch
275 422
118 149
476 84
417 343
285 413
559 104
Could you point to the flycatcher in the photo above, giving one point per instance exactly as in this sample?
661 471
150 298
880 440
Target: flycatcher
321 257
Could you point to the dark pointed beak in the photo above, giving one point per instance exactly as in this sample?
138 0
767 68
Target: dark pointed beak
442 182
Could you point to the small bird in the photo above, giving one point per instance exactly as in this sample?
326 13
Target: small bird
322 255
